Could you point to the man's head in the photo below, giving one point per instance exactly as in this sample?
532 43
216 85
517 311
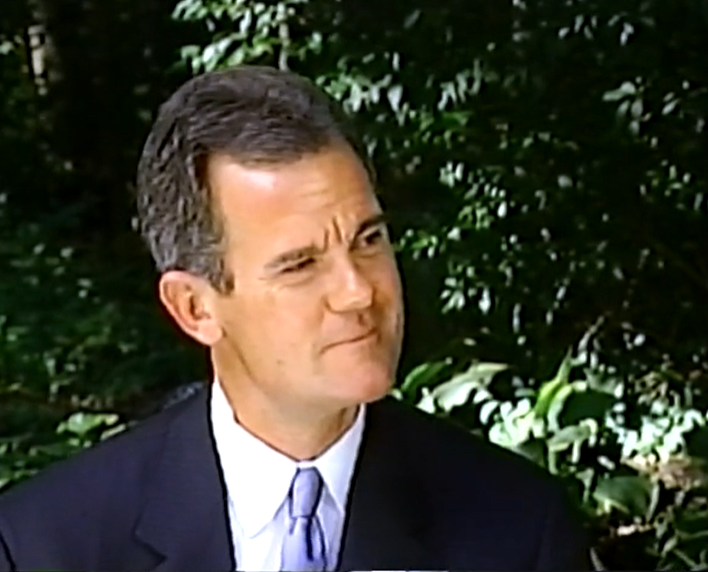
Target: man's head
257 203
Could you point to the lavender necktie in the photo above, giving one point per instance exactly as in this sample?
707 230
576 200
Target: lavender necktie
304 544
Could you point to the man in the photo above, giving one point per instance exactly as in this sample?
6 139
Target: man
258 205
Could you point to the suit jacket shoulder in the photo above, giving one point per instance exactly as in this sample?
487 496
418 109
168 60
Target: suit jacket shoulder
444 444
485 505
82 513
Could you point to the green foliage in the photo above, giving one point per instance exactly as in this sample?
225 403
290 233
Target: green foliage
588 428
21 456
72 358
262 31
84 350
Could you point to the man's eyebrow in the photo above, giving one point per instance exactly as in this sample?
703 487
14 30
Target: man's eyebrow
290 256
378 219
309 251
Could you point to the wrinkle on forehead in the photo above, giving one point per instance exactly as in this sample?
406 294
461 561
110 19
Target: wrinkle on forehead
321 197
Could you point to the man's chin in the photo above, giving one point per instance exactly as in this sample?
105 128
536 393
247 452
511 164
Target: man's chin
367 390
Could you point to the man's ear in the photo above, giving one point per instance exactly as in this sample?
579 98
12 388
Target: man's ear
189 300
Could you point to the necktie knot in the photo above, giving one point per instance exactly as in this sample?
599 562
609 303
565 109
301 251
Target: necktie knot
305 493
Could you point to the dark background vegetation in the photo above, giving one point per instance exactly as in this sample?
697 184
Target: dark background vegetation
544 163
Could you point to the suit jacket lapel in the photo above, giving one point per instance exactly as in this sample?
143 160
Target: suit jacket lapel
387 517
185 519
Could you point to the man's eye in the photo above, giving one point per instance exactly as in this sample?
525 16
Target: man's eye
299 266
373 238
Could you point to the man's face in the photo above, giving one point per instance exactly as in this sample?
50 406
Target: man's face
316 314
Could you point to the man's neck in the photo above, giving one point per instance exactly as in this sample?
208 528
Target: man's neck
301 435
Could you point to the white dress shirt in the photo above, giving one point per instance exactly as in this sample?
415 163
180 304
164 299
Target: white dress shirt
258 479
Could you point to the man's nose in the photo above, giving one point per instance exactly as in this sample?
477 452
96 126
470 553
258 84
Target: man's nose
351 288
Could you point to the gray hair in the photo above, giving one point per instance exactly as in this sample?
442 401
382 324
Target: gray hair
255 114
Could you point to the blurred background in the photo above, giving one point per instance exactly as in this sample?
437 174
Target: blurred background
544 165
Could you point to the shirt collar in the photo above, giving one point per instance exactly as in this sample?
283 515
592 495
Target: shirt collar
258 477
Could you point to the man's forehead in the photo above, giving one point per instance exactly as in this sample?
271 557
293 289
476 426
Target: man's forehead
334 160
333 184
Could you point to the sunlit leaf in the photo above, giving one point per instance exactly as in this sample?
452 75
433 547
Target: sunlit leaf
457 390
628 494
549 390
422 375
82 423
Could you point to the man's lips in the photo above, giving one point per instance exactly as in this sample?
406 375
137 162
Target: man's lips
353 340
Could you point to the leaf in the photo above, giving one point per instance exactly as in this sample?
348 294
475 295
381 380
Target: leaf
411 19
697 443
692 522
58 450
396 393
625 90
637 108
534 450
629 494
585 478
453 393
487 410
549 390
395 94
519 426
82 423
422 375
669 107
570 436
483 372
355 100
499 435
457 390
557 405
589 404
427 403
113 431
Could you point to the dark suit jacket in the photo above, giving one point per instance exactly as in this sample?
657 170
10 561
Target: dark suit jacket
425 496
